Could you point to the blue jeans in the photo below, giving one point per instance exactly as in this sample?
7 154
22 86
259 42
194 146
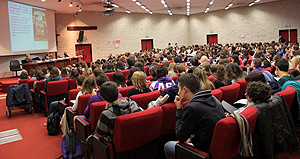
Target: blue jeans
169 149
53 107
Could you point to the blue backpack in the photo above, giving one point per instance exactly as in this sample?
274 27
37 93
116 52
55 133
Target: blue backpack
71 147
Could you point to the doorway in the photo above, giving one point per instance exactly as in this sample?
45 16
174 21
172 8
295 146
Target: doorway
212 39
147 44
289 35
85 50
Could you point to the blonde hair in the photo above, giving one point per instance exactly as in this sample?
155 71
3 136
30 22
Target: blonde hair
88 86
171 66
295 61
87 72
139 81
205 83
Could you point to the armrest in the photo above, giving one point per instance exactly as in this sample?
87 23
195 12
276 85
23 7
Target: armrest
32 90
43 100
185 151
61 107
82 129
70 116
102 148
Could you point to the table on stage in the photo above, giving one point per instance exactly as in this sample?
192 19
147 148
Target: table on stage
59 63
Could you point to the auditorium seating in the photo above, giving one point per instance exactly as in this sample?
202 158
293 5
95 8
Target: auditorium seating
109 75
169 119
72 84
125 90
243 85
174 78
56 90
30 83
144 99
35 93
135 136
149 78
288 94
146 69
71 96
23 81
125 73
65 78
82 103
230 93
225 141
217 93
211 78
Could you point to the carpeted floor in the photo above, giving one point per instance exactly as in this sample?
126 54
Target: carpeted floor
36 142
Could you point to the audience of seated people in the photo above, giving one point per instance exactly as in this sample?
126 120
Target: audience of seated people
193 87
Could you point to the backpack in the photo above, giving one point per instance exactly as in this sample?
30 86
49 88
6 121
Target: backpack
53 123
71 147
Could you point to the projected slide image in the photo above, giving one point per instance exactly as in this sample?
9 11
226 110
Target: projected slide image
28 27
39 25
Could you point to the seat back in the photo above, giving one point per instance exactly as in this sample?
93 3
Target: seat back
55 88
23 81
146 69
211 78
125 90
134 130
82 103
14 65
30 83
288 94
144 99
231 93
109 75
72 84
125 73
174 78
217 93
169 119
149 78
95 110
243 86
72 95
226 137
39 86
65 78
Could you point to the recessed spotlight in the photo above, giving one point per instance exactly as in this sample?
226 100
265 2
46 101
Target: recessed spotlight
58 0
143 7
138 3
71 4
43 0
128 11
256 1
251 4
211 2
80 9
115 5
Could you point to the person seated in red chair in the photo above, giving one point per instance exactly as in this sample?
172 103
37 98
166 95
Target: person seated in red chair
24 75
282 68
102 78
54 76
139 83
114 108
163 81
196 122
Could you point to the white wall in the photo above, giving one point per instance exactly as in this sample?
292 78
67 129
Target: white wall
128 28
259 23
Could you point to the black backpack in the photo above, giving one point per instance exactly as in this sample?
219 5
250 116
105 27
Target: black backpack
53 123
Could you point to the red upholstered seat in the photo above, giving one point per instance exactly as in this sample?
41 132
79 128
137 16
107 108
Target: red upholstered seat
71 96
225 141
149 78
144 99
125 90
82 103
137 129
243 86
30 83
39 86
125 73
146 69
110 75
95 110
23 81
231 93
174 78
211 78
169 119
288 94
267 69
217 93
72 84
56 90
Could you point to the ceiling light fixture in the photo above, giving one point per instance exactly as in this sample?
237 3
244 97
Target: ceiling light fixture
163 2
43 0
59 1
115 5
229 5
188 6
252 3
142 6
80 9
71 4
127 11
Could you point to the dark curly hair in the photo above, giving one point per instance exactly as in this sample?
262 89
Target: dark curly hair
258 92
220 73
234 71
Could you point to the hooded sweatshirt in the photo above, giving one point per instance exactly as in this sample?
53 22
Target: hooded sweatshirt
105 125
94 98
161 83
198 119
